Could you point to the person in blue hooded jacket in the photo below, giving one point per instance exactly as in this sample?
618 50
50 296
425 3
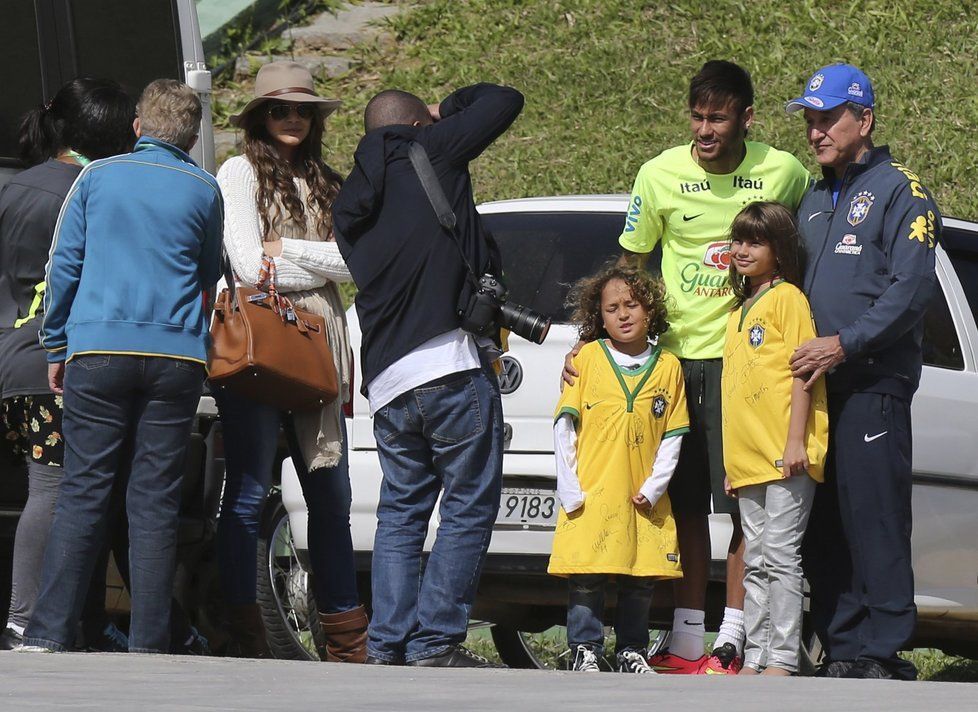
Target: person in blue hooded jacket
137 243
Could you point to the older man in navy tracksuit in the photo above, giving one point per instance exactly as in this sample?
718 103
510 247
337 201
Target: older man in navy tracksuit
870 229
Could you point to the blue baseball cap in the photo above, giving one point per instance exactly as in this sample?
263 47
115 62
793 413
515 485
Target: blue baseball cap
834 85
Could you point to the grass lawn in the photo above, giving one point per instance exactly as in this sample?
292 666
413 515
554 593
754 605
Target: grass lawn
550 647
606 81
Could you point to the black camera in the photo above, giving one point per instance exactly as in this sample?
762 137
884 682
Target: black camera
488 309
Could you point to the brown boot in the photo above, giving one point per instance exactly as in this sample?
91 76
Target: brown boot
346 635
247 632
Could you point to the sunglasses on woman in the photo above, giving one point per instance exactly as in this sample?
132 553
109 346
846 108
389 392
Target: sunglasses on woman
280 112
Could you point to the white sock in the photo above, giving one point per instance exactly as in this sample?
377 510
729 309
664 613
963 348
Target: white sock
686 638
19 629
732 629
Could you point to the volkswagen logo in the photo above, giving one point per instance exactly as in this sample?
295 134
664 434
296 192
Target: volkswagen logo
511 376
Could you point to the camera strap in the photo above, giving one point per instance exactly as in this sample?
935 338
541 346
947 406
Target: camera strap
439 201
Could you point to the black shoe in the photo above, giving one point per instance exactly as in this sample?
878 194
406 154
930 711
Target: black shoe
372 660
458 656
835 668
10 639
868 669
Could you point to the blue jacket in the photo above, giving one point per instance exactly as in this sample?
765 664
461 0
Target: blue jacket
137 242
870 271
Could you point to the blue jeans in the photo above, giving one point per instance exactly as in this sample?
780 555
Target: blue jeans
113 403
250 441
444 437
585 611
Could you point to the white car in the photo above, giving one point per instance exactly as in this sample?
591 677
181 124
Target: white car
547 244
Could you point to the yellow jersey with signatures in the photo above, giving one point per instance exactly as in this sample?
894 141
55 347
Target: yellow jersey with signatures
621 417
678 203
756 387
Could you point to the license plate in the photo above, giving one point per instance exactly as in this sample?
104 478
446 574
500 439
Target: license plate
527 508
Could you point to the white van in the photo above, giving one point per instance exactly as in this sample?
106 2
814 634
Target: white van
49 42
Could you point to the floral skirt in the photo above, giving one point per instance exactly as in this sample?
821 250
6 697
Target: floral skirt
32 427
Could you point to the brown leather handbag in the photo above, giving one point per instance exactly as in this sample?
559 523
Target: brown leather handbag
266 349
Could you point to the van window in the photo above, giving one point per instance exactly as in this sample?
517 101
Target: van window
21 74
962 247
136 47
545 253
941 347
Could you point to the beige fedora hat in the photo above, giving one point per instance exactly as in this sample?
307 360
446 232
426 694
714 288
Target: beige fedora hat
285 81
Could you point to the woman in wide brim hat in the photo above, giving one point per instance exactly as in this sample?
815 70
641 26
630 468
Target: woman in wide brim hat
278 208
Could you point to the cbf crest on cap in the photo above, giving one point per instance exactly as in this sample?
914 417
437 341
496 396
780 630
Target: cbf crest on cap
834 85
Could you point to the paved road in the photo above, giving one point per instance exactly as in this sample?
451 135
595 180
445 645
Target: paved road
109 683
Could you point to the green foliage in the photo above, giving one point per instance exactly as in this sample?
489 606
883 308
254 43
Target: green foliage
606 81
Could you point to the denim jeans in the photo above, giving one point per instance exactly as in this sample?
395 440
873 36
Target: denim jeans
585 611
250 440
444 437
112 403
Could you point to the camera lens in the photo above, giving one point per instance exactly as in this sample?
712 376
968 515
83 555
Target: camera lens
524 322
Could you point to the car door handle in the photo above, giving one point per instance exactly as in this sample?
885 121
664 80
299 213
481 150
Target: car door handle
507 435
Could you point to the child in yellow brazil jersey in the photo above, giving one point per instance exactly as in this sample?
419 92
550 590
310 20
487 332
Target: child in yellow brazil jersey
775 433
617 436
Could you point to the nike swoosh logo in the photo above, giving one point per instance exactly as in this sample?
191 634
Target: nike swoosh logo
687 218
815 215
686 622
869 439
588 406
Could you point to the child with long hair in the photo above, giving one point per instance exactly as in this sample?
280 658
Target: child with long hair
775 433
617 435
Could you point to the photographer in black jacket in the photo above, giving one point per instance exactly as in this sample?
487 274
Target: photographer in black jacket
432 392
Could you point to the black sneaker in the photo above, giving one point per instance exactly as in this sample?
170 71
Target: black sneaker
585 660
634 661
10 639
196 644
868 669
458 656
835 668
110 640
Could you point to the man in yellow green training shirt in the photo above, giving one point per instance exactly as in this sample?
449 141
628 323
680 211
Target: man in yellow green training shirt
685 199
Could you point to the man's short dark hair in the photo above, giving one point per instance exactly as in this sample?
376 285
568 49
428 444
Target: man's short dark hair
719 82
393 106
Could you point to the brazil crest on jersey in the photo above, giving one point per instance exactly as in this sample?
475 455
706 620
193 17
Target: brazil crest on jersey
621 417
756 387
689 210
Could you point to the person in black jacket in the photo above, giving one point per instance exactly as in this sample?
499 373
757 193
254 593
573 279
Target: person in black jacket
432 392
870 229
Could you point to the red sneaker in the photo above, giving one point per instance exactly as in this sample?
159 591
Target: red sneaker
665 663
723 661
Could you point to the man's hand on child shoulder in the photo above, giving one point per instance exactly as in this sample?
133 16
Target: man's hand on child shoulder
569 374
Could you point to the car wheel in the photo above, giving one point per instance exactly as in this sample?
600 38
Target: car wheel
546 650
288 610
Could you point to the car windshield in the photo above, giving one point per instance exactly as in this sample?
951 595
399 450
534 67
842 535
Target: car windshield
545 253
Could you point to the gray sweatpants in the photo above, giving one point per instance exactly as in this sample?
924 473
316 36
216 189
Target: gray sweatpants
774 516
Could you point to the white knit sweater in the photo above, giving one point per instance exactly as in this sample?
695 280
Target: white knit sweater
304 264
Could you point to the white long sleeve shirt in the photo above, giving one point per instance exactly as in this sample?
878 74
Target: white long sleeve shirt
303 264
